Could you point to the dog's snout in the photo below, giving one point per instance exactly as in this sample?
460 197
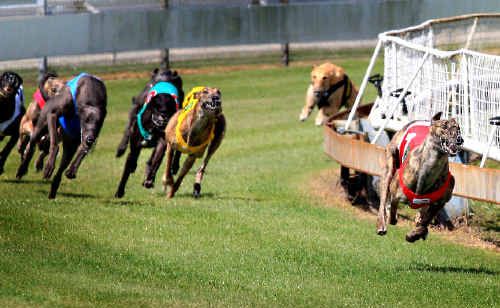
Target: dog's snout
90 140
460 140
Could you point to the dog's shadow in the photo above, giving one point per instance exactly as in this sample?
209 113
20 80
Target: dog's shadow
22 181
423 267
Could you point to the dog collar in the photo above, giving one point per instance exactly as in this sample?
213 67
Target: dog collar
323 101
144 133
38 98
189 104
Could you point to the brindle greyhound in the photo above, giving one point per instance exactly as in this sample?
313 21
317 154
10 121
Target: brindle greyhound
198 126
161 99
49 86
80 109
11 111
416 171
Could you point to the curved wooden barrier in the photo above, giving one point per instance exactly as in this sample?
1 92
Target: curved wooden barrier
470 181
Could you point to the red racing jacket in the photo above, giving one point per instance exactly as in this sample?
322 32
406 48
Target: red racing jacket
412 138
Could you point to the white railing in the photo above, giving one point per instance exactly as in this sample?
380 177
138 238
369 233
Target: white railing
455 80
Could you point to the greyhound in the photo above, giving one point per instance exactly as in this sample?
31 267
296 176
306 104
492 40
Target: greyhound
80 110
199 126
416 171
11 111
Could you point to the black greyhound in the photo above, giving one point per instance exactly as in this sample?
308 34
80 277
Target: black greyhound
79 110
151 109
11 111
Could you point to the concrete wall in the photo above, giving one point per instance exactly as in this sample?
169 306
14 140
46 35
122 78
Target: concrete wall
114 31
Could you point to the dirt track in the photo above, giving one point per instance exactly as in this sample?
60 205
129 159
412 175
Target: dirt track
326 189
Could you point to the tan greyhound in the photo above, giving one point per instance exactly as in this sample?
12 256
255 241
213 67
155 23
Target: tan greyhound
198 127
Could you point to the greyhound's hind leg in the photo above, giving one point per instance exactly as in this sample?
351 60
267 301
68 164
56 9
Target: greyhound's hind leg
7 149
153 164
188 164
426 216
69 149
130 166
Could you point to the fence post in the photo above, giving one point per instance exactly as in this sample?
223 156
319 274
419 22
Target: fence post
42 66
285 48
165 52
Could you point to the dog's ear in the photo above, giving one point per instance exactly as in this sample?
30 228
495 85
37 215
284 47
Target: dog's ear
437 116
154 72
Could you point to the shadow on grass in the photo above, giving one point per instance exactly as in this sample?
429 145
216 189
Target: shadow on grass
68 194
452 269
15 181
209 195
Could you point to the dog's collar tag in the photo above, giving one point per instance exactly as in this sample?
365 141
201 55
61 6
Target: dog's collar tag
423 201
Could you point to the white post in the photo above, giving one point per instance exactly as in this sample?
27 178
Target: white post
363 84
400 99
487 150
42 66
471 33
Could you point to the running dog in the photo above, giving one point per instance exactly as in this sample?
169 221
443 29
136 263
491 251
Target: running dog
199 126
161 99
49 86
79 110
330 90
416 172
157 75
11 111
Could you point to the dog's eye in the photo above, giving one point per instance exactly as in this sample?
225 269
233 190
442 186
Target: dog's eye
324 77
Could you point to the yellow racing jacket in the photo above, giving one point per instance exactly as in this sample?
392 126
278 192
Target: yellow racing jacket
189 103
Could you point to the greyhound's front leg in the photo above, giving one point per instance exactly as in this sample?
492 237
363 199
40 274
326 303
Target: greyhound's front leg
385 198
309 105
82 151
168 179
7 149
154 163
54 148
188 164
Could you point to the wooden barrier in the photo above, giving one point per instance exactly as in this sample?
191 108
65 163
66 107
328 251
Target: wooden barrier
470 181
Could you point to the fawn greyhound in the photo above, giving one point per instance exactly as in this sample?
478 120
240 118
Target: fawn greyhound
416 171
49 86
199 126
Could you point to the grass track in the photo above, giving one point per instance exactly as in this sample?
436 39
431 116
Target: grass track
253 239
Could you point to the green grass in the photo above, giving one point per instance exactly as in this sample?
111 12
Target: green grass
255 238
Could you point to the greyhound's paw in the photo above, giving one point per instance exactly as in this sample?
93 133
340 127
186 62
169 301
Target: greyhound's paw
418 233
120 151
1 169
148 184
47 172
119 194
393 221
70 174
39 166
174 169
196 190
170 194
21 171
381 231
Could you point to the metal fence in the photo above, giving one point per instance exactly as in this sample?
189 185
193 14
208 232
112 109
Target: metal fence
144 28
